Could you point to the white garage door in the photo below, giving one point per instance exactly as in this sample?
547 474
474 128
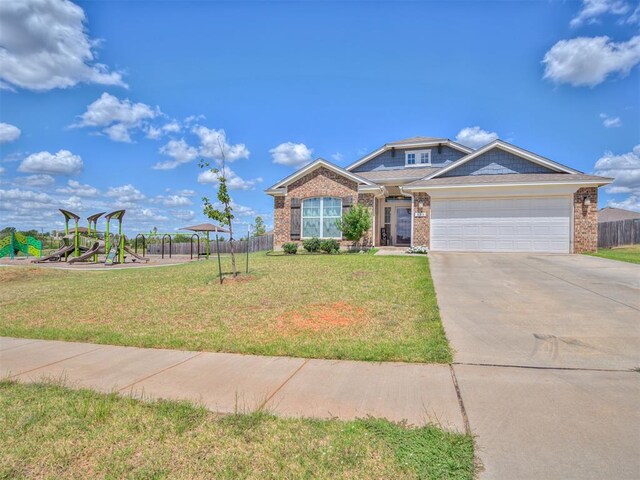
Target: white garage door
533 224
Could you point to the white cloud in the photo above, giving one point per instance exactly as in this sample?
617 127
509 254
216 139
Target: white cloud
3 170
125 195
118 132
625 168
632 202
175 201
171 127
74 202
117 117
187 192
62 163
291 154
214 142
180 151
155 133
475 137
592 9
588 61
45 45
610 122
35 180
8 132
234 181
147 214
191 119
78 189
337 157
239 210
15 194
184 215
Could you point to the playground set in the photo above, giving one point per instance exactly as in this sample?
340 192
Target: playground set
77 246
80 245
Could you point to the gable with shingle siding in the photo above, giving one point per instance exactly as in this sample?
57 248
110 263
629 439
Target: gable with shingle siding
497 162
394 159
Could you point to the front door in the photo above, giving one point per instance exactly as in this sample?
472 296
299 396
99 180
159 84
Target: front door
403 226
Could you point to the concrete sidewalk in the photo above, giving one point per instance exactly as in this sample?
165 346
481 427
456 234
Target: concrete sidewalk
228 383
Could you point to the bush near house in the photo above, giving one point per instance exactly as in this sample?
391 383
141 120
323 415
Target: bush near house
290 248
330 246
311 245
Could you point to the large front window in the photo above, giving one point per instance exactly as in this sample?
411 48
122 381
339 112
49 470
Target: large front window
319 216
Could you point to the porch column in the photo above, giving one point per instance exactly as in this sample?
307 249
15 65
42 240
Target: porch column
420 210
367 199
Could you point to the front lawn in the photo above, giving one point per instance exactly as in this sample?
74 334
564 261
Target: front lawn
49 431
359 307
629 254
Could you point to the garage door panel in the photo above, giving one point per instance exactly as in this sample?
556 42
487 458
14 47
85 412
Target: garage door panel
536 224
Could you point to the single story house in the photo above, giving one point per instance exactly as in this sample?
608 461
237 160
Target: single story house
612 214
437 193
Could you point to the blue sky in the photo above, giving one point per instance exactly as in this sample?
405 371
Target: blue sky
111 104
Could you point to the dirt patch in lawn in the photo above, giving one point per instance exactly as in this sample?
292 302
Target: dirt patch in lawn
321 317
8 274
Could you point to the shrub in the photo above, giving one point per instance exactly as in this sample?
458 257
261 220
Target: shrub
420 249
311 244
290 248
330 246
355 223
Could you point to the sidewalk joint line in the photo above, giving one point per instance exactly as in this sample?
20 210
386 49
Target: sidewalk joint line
535 367
57 361
160 371
262 405
463 411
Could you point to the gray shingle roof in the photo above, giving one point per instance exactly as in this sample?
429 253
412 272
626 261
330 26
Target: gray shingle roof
413 173
509 178
610 214
418 140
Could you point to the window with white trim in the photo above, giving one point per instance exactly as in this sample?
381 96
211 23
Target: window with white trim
319 216
417 158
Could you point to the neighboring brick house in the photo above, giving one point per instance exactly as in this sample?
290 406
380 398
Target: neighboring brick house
434 192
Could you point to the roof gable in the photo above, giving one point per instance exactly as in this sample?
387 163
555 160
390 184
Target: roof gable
544 165
410 143
320 162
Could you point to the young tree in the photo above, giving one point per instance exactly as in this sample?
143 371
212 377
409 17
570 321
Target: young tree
355 223
223 216
259 227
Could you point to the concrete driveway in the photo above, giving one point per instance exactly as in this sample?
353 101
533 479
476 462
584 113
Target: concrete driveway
545 347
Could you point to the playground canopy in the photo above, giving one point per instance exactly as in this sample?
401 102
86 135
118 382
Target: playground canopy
206 227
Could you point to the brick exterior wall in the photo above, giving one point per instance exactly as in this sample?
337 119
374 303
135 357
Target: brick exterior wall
585 221
421 233
321 182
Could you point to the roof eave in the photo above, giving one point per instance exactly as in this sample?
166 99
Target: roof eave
424 188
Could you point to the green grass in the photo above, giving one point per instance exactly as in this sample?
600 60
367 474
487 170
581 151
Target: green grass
354 306
48 431
629 254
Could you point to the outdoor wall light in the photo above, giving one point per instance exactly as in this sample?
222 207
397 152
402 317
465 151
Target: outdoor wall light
420 205
586 201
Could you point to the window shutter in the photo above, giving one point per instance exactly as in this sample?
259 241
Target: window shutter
296 213
347 203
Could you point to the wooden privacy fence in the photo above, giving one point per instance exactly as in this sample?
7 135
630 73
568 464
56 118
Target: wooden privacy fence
256 244
622 232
